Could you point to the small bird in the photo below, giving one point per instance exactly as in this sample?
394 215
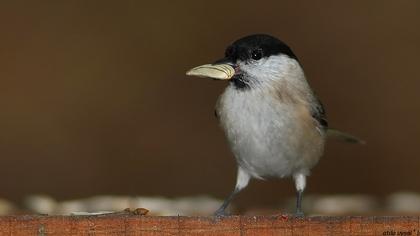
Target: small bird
275 125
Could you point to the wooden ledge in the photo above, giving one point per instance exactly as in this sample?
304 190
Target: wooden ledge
232 225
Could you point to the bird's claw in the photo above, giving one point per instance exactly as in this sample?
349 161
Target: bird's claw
221 213
299 214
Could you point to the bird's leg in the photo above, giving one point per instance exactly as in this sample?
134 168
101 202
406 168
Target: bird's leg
299 212
242 181
300 183
222 209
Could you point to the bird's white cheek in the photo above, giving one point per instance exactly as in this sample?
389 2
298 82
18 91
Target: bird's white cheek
253 69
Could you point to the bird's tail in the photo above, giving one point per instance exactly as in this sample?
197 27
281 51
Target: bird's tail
336 134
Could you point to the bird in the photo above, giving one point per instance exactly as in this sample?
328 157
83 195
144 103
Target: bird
274 123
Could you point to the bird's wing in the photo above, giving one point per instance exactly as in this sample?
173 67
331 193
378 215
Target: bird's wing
318 113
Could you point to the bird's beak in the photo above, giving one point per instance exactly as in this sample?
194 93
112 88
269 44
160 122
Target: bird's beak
221 70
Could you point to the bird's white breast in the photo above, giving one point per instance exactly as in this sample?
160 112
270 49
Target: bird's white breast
268 137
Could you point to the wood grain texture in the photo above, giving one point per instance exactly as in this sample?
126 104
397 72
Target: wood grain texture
233 225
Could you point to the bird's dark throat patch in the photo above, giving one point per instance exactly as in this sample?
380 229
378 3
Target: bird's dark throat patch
240 82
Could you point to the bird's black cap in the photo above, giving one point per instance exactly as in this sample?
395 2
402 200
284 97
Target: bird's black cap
257 45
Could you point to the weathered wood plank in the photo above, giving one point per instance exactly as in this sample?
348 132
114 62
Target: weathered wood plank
121 224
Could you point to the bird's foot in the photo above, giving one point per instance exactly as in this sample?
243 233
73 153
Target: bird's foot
221 213
299 214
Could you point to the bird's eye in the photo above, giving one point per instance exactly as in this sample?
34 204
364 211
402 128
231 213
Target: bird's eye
256 54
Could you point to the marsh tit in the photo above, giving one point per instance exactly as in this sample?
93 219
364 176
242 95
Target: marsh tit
274 123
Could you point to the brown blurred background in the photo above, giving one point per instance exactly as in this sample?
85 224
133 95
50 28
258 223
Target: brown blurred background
94 99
